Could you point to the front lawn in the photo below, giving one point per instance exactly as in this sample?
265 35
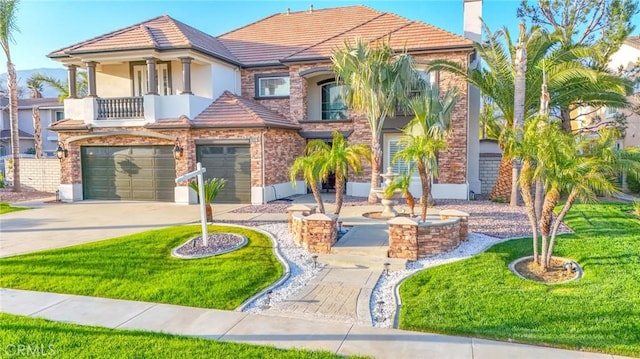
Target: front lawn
140 267
480 297
23 336
5 207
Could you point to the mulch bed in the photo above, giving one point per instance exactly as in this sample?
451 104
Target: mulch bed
554 274
217 243
7 195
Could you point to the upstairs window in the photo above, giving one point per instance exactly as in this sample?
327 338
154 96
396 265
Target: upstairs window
272 85
59 115
333 105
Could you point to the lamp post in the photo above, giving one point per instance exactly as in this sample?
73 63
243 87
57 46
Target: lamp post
61 152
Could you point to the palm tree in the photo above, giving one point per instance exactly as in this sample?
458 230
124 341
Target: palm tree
426 134
8 25
309 167
338 158
35 86
402 183
62 86
211 187
377 79
570 83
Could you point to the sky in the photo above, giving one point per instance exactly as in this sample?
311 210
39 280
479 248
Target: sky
47 25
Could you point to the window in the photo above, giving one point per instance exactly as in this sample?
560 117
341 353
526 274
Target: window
58 116
392 146
333 106
140 78
272 85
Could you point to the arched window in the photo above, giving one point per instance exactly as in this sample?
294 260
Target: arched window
333 106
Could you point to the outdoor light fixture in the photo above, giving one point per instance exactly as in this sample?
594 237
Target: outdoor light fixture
315 260
339 226
177 150
386 268
380 309
61 152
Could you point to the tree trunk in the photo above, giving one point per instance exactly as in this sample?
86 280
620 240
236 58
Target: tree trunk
209 211
318 198
37 132
424 197
518 109
530 206
514 198
538 199
13 119
411 202
550 201
339 193
502 189
376 161
556 225
565 116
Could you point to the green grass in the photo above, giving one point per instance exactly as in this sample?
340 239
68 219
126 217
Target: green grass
140 267
480 297
61 340
6 208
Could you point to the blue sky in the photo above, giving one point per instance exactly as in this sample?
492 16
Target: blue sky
47 25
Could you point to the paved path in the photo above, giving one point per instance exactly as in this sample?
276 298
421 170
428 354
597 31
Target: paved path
283 332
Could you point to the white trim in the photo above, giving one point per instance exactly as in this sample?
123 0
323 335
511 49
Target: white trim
70 192
185 195
262 195
358 189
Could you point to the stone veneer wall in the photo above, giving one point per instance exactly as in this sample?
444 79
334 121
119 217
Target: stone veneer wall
411 240
489 167
464 221
315 232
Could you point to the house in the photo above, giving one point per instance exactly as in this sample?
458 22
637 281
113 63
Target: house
163 96
625 61
50 109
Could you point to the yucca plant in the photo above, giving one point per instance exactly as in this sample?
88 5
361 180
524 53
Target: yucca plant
212 187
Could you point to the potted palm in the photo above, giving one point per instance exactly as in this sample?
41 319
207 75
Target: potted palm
211 187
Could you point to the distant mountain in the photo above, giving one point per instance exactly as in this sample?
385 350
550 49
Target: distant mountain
23 75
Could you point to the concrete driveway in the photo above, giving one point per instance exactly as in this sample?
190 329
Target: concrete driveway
55 225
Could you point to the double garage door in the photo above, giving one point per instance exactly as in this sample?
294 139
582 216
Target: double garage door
147 173
138 173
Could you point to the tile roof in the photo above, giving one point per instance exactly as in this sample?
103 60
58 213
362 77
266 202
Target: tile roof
39 102
304 35
160 33
6 134
69 125
173 123
633 41
231 110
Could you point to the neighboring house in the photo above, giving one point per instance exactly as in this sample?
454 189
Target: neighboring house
51 110
622 61
163 96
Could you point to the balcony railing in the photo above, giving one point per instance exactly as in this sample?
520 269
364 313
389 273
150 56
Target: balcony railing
120 107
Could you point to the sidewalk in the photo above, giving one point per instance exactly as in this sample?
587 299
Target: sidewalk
340 338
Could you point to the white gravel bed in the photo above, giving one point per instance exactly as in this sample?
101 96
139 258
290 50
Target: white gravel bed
301 266
383 314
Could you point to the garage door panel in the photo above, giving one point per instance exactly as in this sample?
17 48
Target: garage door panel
231 162
142 173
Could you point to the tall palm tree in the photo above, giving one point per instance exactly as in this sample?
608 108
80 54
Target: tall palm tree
8 25
570 83
309 167
35 86
426 134
338 158
377 79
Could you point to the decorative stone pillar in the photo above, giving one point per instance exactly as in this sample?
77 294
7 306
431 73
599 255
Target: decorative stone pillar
403 238
91 78
186 75
151 75
464 221
72 80
299 208
321 232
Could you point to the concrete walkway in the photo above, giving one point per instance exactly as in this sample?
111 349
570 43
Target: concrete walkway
283 332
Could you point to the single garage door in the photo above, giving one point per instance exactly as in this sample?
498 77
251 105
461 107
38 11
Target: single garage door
138 173
231 162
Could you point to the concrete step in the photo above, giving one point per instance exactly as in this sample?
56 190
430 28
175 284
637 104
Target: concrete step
376 251
361 262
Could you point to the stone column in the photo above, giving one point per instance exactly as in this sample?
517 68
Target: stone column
151 75
72 80
403 238
186 75
464 221
91 78
320 232
299 208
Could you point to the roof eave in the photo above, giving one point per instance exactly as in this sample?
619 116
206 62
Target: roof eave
245 126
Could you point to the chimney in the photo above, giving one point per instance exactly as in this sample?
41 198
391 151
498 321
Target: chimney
288 11
472 23
311 8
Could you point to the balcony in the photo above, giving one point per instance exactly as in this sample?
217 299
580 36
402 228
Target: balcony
133 111
120 108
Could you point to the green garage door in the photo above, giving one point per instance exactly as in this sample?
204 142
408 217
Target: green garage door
231 162
138 173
